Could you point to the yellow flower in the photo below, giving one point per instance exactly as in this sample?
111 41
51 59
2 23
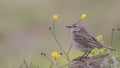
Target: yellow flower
55 54
55 17
83 16
99 37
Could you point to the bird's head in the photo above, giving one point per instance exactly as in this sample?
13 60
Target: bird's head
77 28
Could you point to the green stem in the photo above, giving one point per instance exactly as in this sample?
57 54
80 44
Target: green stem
25 63
55 62
63 65
78 21
51 65
118 29
53 26
59 45
31 65
69 49
112 34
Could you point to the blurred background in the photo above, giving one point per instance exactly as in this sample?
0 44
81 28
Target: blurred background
24 24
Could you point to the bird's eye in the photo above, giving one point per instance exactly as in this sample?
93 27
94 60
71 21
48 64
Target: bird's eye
74 26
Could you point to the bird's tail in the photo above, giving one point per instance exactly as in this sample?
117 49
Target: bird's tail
113 49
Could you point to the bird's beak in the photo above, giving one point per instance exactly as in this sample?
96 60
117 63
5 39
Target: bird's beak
69 26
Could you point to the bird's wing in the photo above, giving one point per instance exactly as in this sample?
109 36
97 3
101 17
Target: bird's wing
87 40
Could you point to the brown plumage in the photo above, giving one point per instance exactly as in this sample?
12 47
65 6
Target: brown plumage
83 40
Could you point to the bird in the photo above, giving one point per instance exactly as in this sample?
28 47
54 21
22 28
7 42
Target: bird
83 40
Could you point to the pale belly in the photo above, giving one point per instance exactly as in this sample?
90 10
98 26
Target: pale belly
80 47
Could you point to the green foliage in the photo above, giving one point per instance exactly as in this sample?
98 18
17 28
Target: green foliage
99 37
98 51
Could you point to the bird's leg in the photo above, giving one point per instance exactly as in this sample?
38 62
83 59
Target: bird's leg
83 55
88 52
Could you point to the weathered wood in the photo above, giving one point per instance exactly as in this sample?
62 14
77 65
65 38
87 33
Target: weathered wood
89 62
